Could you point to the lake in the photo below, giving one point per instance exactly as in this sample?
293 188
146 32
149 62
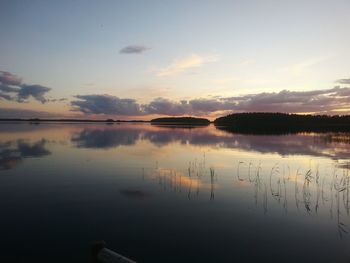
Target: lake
172 194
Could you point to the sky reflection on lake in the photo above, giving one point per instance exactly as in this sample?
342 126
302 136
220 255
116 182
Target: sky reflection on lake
197 194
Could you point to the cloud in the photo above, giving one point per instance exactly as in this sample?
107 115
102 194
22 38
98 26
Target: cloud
134 49
198 107
105 104
207 106
5 96
57 100
316 101
12 89
183 64
7 78
328 101
343 81
166 107
36 91
6 88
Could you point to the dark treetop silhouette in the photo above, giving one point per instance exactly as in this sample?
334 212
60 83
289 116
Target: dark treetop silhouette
181 120
281 123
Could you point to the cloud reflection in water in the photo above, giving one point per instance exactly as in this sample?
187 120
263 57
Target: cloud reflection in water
332 145
13 152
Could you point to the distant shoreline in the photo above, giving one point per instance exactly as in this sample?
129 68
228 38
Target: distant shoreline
70 120
245 123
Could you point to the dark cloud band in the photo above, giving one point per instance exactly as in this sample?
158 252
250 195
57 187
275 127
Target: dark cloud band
105 104
327 101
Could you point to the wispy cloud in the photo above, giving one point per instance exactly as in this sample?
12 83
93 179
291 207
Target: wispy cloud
134 49
299 68
343 81
183 64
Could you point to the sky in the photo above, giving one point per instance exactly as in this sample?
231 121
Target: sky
143 59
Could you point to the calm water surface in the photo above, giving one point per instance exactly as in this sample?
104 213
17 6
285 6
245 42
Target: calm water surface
162 194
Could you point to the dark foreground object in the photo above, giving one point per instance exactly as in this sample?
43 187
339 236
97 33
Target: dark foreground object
101 254
281 123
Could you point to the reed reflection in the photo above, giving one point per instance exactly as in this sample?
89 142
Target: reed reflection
196 178
311 189
314 191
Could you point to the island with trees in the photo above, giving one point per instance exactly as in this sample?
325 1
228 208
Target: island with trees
282 123
181 121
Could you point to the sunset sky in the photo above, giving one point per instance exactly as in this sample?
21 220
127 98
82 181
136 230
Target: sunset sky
141 59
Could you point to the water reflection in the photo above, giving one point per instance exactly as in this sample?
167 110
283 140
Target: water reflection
310 190
333 145
136 184
330 145
13 152
190 181
105 138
